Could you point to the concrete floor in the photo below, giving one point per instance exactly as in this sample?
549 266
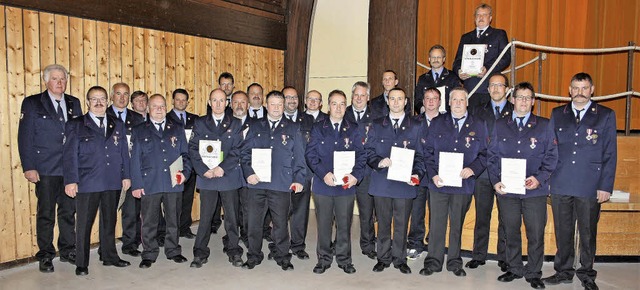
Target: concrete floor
220 274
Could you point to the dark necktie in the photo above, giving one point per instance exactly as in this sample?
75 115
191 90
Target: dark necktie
336 126
578 115
120 115
359 116
160 127
290 117
437 76
497 113
255 113
480 33
395 125
456 121
59 111
218 122
273 125
182 119
101 121
520 122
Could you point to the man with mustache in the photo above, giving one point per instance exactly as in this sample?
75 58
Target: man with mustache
256 109
438 76
587 151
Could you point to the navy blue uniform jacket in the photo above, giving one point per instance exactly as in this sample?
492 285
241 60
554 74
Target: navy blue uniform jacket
133 118
585 164
287 153
92 160
153 153
443 137
496 40
41 133
381 139
422 119
447 78
536 143
319 154
230 134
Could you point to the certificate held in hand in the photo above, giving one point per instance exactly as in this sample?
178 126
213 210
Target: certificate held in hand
261 163
343 162
473 58
174 168
513 175
210 152
450 167
401 164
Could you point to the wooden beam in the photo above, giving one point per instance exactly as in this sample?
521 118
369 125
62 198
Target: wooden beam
247 25
392 43
296 54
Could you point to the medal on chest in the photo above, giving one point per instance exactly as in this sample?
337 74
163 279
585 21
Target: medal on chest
468 139
533 143
346 143
173 141
284 140
115 140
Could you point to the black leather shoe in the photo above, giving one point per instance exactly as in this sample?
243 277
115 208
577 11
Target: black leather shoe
379 267
160 243
178 259
45 265
589 284
536 283
302 255
198 262
69 258
372 254
268 238
503 266
459 272
348 268
270 256
319 269
145 264
286 266
236 261
556 279
119 263
82 271
131 252
404 268
426 271
249 265
188 235
474 264
508 277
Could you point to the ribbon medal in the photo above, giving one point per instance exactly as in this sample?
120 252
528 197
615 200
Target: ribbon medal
533 143
468 139
405 143
173 141
592 135
115 140
346 143
284 140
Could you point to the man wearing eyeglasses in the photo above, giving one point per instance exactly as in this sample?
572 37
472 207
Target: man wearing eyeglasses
497 108
438 76
40 142
313 103
495 40
528 137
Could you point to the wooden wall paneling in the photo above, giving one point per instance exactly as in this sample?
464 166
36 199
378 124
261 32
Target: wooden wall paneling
149 49
16 81
62 42
197 101
89 45
102 57
190 66
126 52
114 57
170 63
160 59
180 64
7 214
138 61
47 38
76 82
215 62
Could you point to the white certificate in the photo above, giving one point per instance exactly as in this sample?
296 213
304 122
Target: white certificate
173 169
513 175
473 58
210 152
261 163
401 164
343 162
187 132
129 144
443 100
450 167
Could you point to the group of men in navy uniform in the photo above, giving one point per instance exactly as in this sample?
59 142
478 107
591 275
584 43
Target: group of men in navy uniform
90 158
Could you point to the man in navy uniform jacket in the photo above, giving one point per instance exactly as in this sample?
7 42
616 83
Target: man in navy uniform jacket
96 169
40 143
393 199
334 202
438 76
587 151
158 143
380 104
458 132
525 136
288 172
495 40
360 113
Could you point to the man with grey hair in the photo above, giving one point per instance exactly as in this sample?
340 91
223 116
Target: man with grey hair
40 143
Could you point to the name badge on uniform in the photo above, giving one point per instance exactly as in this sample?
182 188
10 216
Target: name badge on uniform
284 140
533 143
468 139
